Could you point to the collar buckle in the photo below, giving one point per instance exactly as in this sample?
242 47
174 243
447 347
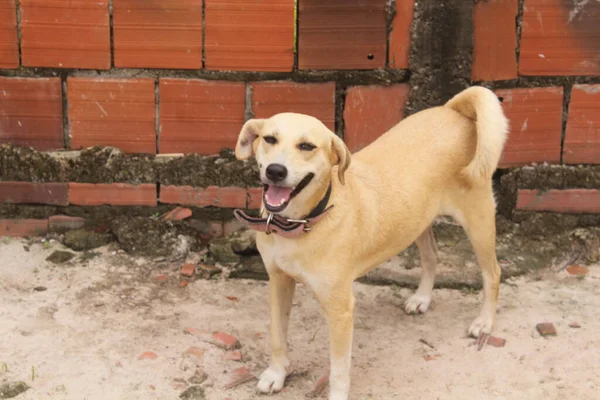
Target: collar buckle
268 227
304 222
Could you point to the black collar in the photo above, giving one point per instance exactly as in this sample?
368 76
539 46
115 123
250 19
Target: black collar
322 204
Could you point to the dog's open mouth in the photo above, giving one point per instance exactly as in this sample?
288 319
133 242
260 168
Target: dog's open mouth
277 198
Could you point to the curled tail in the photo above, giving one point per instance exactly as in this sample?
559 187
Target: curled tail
482 106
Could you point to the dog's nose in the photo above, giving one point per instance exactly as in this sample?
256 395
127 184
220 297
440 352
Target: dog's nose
276 172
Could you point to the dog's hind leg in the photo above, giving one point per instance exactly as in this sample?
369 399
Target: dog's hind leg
478 211
419 302
281 294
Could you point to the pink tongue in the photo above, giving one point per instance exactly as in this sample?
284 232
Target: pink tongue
277 195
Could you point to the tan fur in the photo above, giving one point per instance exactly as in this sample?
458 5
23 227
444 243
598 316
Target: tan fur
436 162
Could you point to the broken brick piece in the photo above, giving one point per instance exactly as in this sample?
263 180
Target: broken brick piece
430 357
225 341
496 341
233 356
320 385
188 269
546 329
161 278
232 298
177 214
148 355
205 335
574 325
239 376
207 271
195 351
577 270
183 284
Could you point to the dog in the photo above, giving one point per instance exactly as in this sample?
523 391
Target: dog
329 217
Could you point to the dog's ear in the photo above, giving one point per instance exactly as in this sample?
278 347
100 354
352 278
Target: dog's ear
343 156
245 144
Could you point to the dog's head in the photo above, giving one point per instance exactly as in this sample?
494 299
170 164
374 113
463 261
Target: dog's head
295 154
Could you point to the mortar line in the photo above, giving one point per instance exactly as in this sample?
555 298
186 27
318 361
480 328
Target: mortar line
19 33
203 34
65 110
340 102
157 114
111 25
296 34
567 89
249 110
391 10
519 28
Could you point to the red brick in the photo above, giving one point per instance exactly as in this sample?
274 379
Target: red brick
158 34
255 198
34 193
546 329
148 355
495 40
9 46
575 325
225 340
60 223
535 125
195 351
578 270
112 112
239 376
177 214
198 116
161 278
184 283
370 111
246 35
495 341
200 333
65 34
116 194
320 385
23 227
582 138
188 269
342 34
558 39
31 112
315 99
233 356
565 201
225 197
400 35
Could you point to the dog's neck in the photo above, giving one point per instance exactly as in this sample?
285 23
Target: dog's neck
313 205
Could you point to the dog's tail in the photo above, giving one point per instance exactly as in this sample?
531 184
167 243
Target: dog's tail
482 106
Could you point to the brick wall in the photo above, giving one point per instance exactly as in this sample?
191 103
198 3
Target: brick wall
181 76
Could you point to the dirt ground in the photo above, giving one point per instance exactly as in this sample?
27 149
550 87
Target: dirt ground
81 337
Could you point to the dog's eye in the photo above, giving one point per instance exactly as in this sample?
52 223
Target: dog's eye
270 139
307 146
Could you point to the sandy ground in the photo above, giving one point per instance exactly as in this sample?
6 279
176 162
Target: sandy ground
81 338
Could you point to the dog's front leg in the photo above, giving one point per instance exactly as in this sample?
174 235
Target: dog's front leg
339 310
281 294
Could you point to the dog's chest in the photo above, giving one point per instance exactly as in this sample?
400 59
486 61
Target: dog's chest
290 259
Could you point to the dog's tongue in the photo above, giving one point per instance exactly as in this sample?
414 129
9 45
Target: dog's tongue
277 195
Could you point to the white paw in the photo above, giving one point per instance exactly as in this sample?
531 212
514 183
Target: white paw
271 380
417 303
481 325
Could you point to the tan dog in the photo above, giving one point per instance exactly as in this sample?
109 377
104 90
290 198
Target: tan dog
437 162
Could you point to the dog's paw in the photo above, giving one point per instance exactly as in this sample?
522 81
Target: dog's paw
481 326
417 303
271 380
